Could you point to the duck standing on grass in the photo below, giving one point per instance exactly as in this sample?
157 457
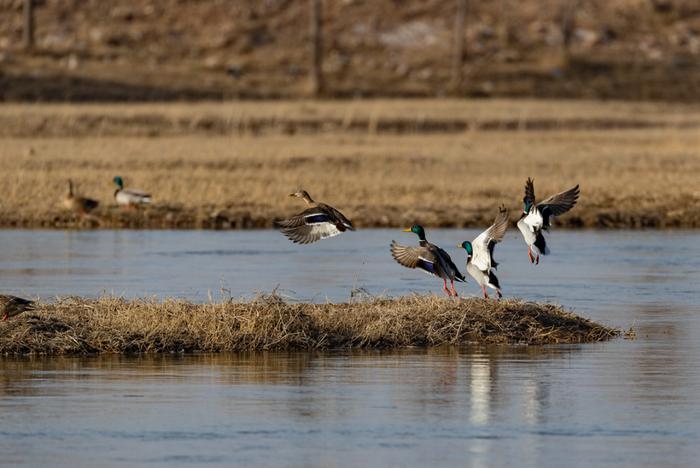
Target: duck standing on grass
79 205
428 257
319 221
537 217
130 198
480 261
13 305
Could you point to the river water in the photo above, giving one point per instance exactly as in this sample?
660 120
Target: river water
623 403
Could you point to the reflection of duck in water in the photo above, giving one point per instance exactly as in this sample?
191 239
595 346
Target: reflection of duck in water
319 221
480 262
537 217
429 258
130 198
13 305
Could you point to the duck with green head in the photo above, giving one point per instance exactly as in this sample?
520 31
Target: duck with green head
537 217
480 261
429 258
130 198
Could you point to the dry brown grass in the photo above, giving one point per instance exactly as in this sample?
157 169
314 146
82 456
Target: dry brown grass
645 177
114 325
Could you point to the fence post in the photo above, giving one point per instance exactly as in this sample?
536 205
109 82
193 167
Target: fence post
458 46
28 30
316 72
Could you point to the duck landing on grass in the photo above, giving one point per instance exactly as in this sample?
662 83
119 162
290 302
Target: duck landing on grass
13 305
319 221
429 258
480 261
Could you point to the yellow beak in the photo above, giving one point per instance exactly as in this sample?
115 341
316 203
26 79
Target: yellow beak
407 230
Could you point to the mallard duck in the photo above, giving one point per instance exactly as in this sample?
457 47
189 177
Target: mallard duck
429 258
76 204
480 261
537 217
12 305
130 197
318 221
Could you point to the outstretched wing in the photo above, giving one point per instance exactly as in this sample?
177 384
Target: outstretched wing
308 226
530 191
337 217
560 203
486 241
415 257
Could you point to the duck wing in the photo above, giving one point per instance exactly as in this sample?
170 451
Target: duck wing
312 225
558 204
530 191
420 257
450 266
336 216
485 242
13 305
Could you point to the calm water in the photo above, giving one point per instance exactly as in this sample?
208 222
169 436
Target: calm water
622 403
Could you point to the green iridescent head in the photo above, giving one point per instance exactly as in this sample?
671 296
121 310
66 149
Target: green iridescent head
118 180
527 204
466 245
418 230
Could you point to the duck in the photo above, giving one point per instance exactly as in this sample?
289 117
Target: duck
130 197
79 205
480 261
537 217
13 305
318 221
429 258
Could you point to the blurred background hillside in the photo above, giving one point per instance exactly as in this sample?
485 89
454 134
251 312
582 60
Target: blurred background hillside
94 50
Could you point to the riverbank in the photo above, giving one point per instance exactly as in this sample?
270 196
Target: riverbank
114 325
383 163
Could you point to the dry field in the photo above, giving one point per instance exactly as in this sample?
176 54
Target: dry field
113 325
383 163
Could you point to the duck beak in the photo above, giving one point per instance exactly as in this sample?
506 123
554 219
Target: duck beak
407 230
291 194
459 246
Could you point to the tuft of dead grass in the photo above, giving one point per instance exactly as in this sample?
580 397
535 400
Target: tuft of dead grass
114 325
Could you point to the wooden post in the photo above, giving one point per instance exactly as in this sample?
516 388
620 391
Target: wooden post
316 72
28 31
458 46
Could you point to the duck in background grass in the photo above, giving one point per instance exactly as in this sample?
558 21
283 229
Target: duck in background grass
78 205
319 221
13 305
537 217
480 261
130 198
429 258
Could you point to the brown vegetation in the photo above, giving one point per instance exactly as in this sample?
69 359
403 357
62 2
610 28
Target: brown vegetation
450 163
114 325
158 49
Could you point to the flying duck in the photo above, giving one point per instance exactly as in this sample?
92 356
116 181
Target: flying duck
429 258
12 305
318 221
130 197
77 204
480 261
536 217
